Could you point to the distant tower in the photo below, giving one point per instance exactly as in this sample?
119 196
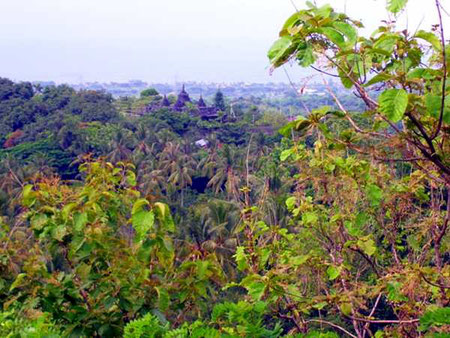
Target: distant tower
165 102
183 98
201 102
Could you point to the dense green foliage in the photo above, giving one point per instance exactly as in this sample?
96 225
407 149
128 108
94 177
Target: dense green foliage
117 223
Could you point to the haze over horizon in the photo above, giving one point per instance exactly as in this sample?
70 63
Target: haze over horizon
158 41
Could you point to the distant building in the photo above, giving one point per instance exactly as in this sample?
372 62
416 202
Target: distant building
185 104
202 143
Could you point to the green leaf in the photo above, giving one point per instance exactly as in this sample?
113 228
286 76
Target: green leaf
309 217
430 38
394 292
393 103
299 260
79 221
348 30
320 306
254 285
346 81
382 77
241 258
361 219
285 154
286 130
368 247
395 6
346 308
375 194
131 178
433 104
164 216
139 204
385 43
27 190
305 55
435 318
278 51
292 21
333 272
163 298
422 73
142 222
59 232
302 124
290 202
334 36
18 281
28 195
67 210
324 11
352 228
39 221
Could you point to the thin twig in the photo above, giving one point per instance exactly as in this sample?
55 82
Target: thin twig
444 66
434 284
378 321
321 321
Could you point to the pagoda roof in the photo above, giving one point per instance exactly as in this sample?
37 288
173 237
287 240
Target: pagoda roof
201 102
165 102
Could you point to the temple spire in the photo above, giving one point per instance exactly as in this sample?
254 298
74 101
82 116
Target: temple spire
165 102
201 102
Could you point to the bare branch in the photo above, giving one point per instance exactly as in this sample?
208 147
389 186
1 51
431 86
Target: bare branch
321 321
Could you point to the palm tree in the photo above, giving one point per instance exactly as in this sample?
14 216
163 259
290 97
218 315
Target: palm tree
145 141
13 178
151 180
120 147
213 229
226 166
178 167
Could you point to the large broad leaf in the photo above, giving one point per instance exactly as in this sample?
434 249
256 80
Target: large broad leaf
241 258
368 247
256 290
348 30
291 202
382 77
438 317
142 222
386 43
279 49
433 104
422 73
162 211
18 282
285 154
333 272
79 221
346 81
431 38
254 285
393 103
305 55
334 35
395 6
163 298
374 194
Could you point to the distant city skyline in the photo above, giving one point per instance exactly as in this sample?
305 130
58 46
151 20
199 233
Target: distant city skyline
169 41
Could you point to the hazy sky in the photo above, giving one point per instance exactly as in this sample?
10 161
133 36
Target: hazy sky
158 40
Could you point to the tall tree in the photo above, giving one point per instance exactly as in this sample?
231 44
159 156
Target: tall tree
219 101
